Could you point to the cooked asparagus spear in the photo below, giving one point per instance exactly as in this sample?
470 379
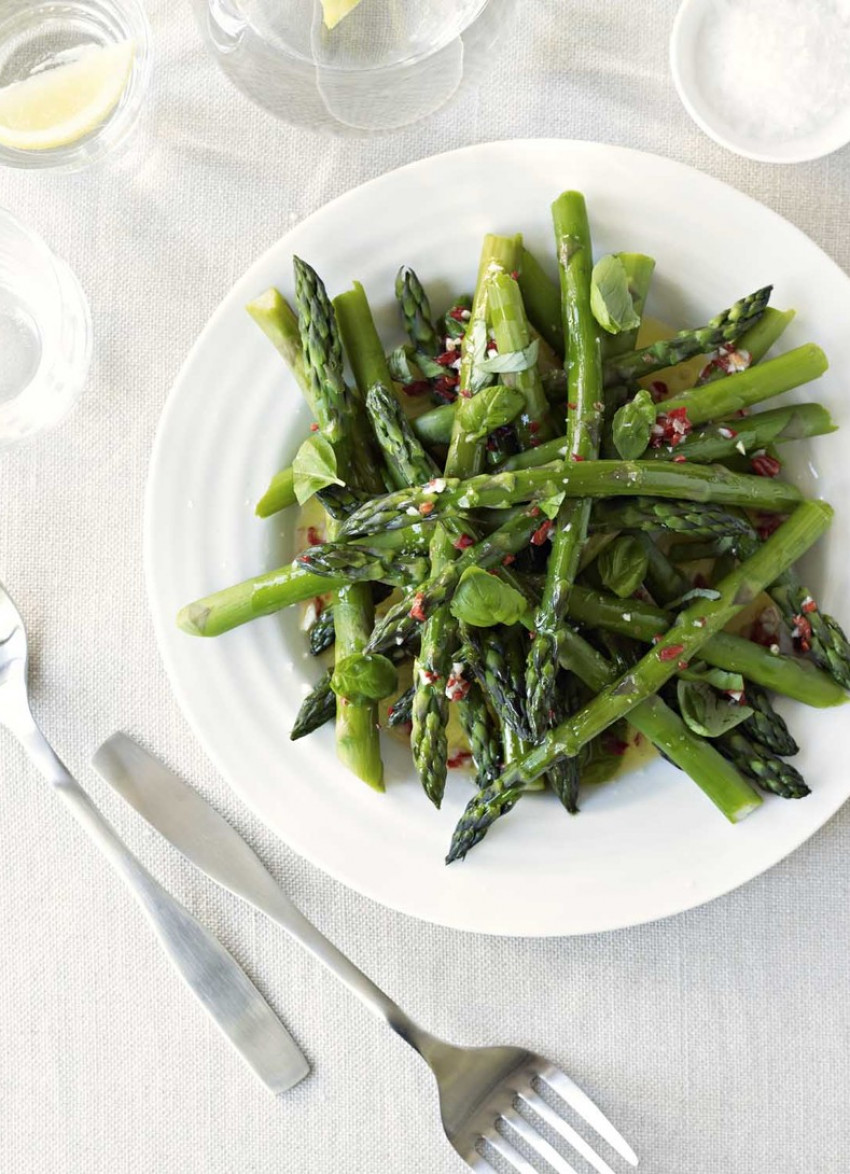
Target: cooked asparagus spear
449 496
766 769
317 708
726 327
416 312
693 628
725 439
357 739
510 329
482 734
584 373
764 725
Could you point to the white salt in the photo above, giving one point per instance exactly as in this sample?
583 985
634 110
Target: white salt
776 69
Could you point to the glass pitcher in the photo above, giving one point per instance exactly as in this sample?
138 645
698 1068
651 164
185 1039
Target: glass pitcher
386 64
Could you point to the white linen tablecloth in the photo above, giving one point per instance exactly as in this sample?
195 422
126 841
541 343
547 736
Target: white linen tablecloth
717 1040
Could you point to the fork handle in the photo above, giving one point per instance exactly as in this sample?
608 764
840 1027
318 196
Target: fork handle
274 902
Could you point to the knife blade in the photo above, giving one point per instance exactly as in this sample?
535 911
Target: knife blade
214 976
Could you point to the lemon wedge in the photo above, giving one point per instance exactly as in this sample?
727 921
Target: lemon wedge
335 10
61 105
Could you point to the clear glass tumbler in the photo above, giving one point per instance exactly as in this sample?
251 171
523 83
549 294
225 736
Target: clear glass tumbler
38 35
387 63
45 334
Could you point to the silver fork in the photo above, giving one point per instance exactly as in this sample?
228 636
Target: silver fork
213 976
489 1097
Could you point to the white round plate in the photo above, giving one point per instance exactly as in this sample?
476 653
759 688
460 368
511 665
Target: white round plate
642 848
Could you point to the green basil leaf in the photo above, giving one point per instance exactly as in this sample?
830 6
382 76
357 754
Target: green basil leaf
364 677
491 408
623 565
551 505
483 600
476 340
633 426
610 298
707 712
510 362
314 467
720 679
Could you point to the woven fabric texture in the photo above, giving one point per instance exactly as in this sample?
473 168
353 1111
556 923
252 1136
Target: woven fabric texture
717 1040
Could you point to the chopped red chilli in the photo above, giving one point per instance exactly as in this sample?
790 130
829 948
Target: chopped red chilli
314 427
808 605
767 524
457 685
658 390
458 759
314 536
417 612
508 559
542 532
670 428
418 387
462 541
446 358
459 314
802 633
671 651
765 465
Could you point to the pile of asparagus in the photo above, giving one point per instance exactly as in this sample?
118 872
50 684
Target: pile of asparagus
557 543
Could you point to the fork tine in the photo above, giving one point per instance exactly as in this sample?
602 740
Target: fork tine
539 1144
507 1152
570 1092
539 1106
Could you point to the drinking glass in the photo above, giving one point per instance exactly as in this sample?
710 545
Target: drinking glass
45 334
36 35
386 64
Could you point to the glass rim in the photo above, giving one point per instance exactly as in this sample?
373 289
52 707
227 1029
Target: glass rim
61 279
412 59
92 148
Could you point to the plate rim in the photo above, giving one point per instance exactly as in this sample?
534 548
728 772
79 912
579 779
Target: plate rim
162 630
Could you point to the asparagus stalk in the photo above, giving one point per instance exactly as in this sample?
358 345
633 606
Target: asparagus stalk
405 456
279 495
482 734
726 439
685 482
726 327
790 676
692 629
696 519
716 776
542 299
765 726
402 620
357 739
278 321
317 708
753 344
416 312
399 712
584 372
466 451
495 669
321 635
718 401
766 769
510 328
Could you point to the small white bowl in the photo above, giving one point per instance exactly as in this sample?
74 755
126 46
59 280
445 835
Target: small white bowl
684 47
